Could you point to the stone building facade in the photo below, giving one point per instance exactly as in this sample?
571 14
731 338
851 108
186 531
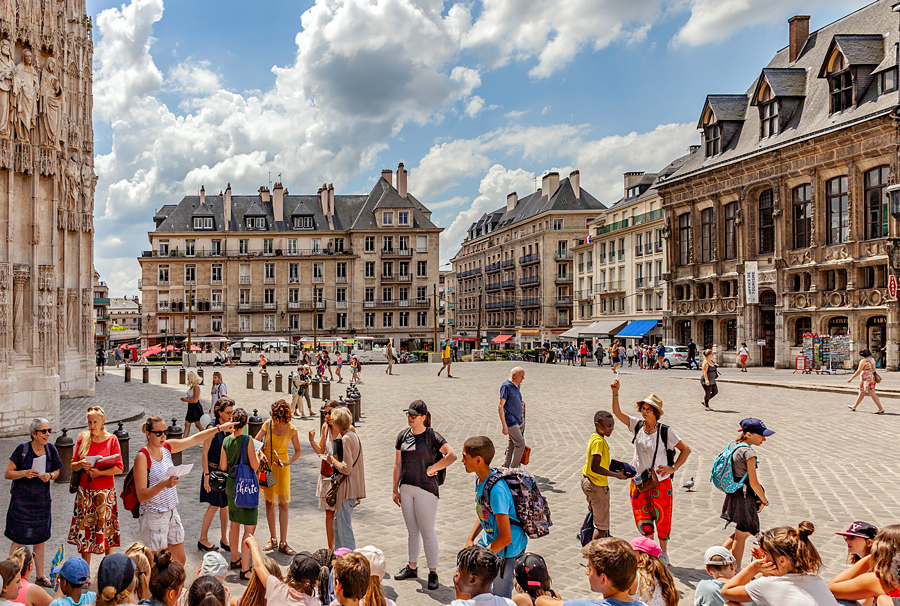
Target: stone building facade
46 208
273 264
514 274
790 181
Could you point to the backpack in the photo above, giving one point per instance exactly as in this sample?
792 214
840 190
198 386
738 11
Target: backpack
129 490
586 534
722 475
664 434
531 506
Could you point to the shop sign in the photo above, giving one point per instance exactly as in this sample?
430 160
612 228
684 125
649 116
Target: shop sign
751 282
892 286
877 321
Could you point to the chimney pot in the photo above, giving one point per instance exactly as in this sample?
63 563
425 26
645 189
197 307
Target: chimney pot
549 184
401 180
575 181
799 33
511 201
388 175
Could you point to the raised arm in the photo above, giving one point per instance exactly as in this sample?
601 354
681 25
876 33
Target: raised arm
617 410
182 444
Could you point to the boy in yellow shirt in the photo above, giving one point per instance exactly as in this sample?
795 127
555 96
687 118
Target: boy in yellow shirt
594 482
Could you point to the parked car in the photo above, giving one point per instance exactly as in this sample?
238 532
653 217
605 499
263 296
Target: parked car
676 356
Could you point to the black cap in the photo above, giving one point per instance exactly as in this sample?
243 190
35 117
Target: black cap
417 408
863 530
304 567
116 570
531 570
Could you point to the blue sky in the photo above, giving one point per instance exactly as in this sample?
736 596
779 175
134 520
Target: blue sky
476 97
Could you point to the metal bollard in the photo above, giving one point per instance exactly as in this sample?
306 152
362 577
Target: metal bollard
127 374
326 390
163 375
64 445
182 374
315 389
265 380
122 435
250 378
146 378
254 423
278 381
200 373
173 431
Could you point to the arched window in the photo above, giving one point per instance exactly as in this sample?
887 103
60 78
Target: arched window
768 112
840 81
766 222
712 133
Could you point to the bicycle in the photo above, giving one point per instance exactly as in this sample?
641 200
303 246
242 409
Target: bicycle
515 357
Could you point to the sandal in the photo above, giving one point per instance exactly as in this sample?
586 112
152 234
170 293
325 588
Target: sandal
286 549
43 582
235 564
272 544
878 412
245 576
851 408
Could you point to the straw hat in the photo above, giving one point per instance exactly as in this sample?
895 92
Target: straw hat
655 401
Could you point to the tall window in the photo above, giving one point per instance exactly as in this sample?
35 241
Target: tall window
766 222
684 239
768 113
730 235
801 326
370 244
876 203
801 204
713 140
841 82
837 208
706 235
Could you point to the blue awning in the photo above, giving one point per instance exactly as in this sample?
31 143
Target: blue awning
637 329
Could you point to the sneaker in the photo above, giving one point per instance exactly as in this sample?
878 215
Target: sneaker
432 580
664 558
408 573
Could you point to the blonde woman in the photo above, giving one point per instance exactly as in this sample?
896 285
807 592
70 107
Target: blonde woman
142 557
95 519
194 408
353 488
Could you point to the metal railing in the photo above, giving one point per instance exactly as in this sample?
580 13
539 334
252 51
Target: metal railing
529 259
563 301
508 284
269 280
564 254
318 279
396 277
492 286
341 279
639 250
245 279
529 280
492 305
605 229
563 279
508 304
492 267
508 263
530 302
621 254
396 252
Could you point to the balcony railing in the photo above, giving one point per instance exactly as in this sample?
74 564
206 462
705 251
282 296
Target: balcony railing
396 277
245 279
563 279
269 280
641 282
162 282
583 294
621 254
341 279
492 305
563 301
216 307
293 279
564 254
101 301
605 229
509 304
639 250
580 267
396 252
291 252
653 215
395 303
492 267
530 302
492 286
507 264
318 279
529 259
508 284
617 286
341 305
103 318
658 246
216 281
529 280
451 321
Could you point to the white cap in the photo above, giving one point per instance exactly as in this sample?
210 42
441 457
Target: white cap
718 556
377 565
213 565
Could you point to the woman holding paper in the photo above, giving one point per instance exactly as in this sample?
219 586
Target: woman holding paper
31 468
95 519
276 434
155 478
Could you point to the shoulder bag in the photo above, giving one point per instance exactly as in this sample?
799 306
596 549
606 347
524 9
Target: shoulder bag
337 480
266 476
75 478
246 486
647 480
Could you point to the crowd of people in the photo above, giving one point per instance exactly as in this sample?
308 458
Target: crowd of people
494 567
648 356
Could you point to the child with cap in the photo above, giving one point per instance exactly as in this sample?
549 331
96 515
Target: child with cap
743 506
476 569
377 569
301 578
74 574
596 473
532 579
653 583
115 580
720 566
858 536
611 571
872 576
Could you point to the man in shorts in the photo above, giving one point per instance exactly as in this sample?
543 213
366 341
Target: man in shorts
446 352
661 356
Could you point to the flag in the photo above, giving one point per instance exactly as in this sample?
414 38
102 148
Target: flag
58 559
588 240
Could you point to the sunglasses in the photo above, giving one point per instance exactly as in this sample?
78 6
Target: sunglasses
158 434
43 431
412 415
93 408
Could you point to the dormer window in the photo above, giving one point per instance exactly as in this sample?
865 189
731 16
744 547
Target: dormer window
887 81
303 223
387 219
403 218
713 134
255 222
632 191
768 113
840 82
203 222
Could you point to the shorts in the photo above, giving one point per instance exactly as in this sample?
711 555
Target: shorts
743 358
161 529
598 502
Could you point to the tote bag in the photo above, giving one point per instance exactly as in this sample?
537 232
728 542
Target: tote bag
246 486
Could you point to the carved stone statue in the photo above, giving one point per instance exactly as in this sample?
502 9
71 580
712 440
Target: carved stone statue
88 180
25 92
51 103
72 184
7 71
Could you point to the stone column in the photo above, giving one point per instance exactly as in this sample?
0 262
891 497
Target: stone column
21 273
892 346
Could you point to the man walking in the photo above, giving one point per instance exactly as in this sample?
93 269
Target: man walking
692 354
660 356
390 359
512 416
446 352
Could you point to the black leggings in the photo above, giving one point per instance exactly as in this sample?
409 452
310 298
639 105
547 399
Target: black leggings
711 391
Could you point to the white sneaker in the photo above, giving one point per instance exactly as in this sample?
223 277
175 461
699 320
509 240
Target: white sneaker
664 558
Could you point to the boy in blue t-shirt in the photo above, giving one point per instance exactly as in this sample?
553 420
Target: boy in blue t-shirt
497 521
74 574
612 569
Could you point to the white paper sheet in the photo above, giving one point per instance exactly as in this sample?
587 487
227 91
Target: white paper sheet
39 464
176 471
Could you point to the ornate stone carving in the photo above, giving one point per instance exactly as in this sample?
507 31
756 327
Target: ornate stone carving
25 82
730 305
7 69
71 175
88 182
871 298
874 249
23 157
21 273
50 104
799 302
46 277
766 277
801 257
836 253
834 299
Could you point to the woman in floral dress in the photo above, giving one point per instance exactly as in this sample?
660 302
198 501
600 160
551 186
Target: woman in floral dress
866 373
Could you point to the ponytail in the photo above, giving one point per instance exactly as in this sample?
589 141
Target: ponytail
794 544
206 591
427 424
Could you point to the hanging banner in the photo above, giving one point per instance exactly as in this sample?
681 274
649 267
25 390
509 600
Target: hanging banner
751 283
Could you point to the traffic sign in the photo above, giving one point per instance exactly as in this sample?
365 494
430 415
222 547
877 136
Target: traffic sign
892 286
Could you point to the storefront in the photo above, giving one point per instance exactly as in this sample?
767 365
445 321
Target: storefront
876 338
838 326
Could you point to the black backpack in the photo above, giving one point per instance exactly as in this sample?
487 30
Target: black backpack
664 434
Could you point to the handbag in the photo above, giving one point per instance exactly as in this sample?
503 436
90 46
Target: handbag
266 476
75 481
877 376
336 481
526 456
246 486
647 480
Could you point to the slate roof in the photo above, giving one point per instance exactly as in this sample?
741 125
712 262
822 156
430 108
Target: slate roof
861 49
726 108
784 82
872 22
350 211
203 211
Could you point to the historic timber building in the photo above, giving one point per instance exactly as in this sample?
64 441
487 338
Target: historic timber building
790 180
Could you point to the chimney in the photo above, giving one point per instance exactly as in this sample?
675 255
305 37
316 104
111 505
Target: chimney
278 202
575 182
388 175
511 201
401 180
330 213
632 178
323 198
264 194
693 148
226 207
202 195
799 25
549 184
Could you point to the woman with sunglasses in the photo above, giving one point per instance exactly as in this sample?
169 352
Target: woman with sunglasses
421 454
159 520
325 446
28 517
95 519
216 499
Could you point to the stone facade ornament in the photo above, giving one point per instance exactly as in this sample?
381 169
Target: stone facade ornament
21 273
7 70
50 104
801 257
25 82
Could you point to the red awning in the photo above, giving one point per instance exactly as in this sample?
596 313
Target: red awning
501 338
463 339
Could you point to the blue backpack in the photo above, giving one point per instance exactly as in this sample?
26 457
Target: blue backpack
723 470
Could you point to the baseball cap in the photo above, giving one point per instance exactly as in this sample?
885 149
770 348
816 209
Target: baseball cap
377 565
648 546
417 408
74 570
116 570
718 556
531 570
751 425
213 565
863 530
303 566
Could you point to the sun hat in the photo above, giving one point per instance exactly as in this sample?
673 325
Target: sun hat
718 556
377 565
863 530
531 570
655 401
648 546
116 570
74 570
213 565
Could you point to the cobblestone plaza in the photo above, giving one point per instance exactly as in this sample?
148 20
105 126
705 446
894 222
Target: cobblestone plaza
824 464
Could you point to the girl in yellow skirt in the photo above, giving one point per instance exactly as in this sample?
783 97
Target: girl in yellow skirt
276 434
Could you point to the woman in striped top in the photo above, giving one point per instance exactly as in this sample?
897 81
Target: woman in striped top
160 523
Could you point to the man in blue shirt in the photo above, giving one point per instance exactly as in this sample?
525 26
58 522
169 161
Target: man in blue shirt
512 416
497 520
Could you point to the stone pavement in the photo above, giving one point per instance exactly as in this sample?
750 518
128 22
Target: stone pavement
824 464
